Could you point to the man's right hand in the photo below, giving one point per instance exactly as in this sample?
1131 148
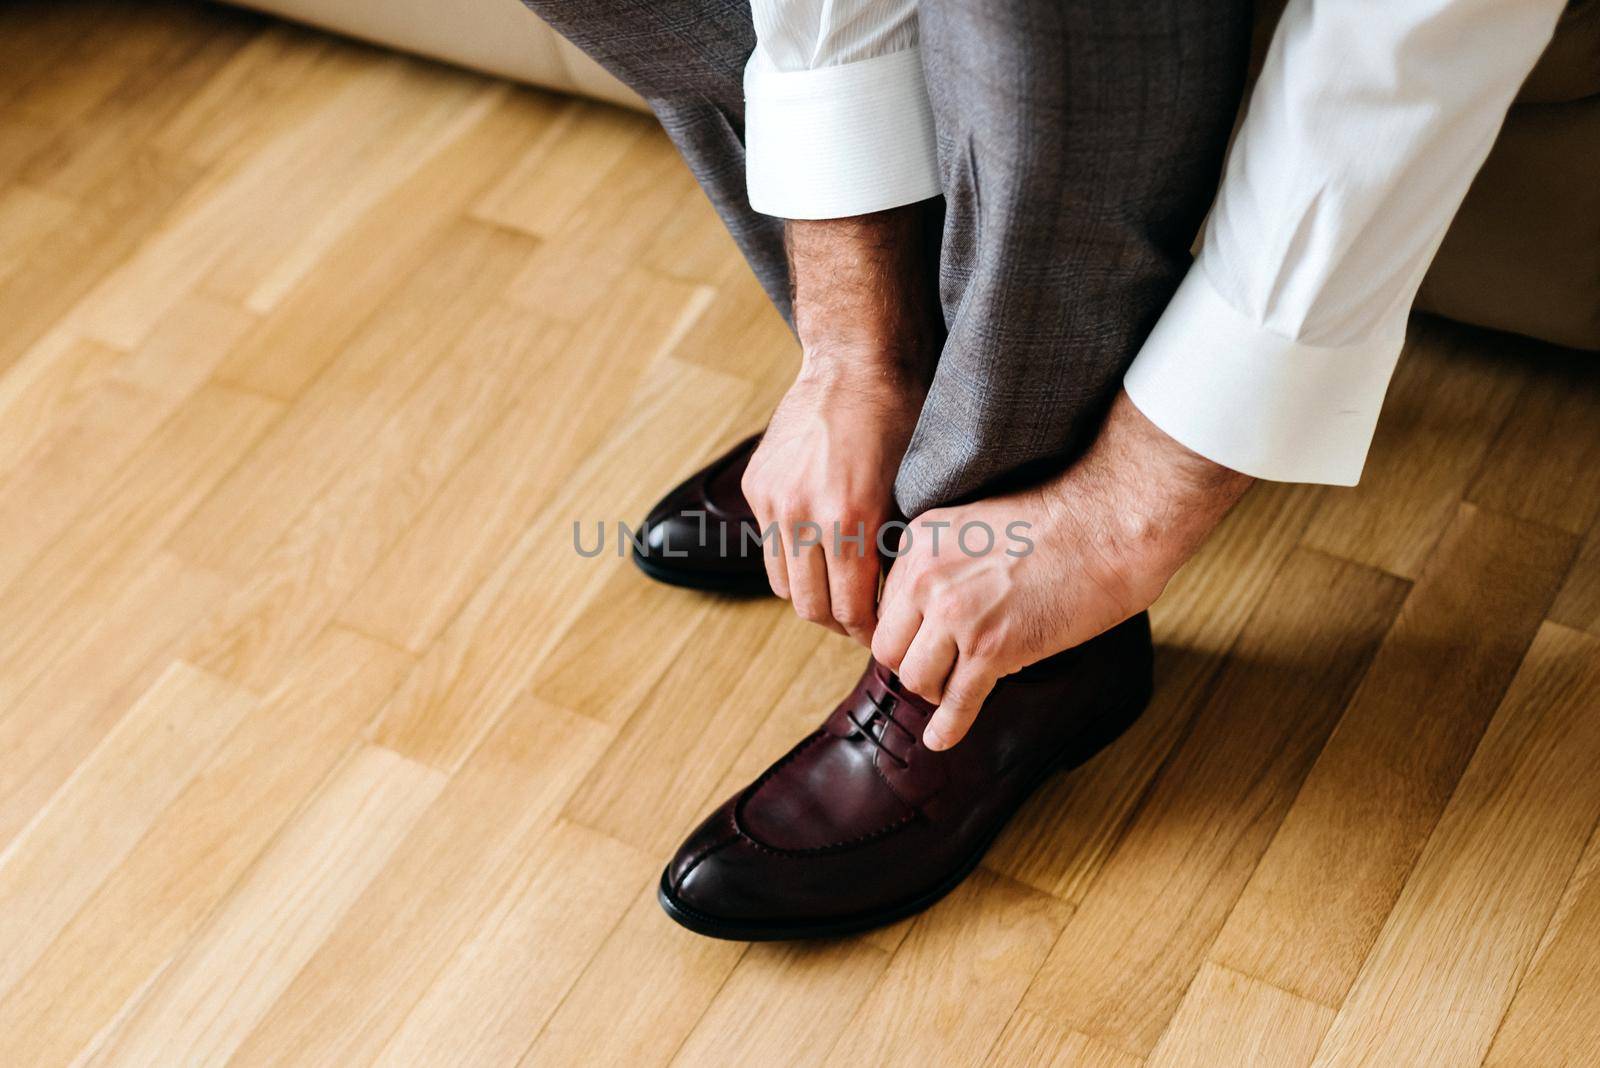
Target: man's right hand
824 473
866 311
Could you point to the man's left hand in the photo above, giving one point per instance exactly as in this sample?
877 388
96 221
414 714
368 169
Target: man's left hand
1106 537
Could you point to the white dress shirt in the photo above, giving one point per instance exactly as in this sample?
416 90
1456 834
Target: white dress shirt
1366 127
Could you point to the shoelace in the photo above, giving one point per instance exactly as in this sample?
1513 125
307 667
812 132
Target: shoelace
884 708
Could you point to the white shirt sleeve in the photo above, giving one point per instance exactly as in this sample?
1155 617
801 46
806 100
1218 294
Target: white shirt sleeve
1368 123
837 120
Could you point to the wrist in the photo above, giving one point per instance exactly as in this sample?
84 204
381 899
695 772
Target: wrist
864 290
893 364
1160 498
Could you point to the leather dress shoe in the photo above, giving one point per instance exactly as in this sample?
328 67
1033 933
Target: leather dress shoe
861 825
703 534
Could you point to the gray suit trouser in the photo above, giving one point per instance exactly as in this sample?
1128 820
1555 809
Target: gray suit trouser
1079 144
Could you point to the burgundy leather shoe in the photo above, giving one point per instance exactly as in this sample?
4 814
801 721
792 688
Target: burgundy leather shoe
860 825
697 535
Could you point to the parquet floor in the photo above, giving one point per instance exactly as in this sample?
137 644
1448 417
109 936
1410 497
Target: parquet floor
319 745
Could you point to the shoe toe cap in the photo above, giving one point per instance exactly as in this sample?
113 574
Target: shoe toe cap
721 874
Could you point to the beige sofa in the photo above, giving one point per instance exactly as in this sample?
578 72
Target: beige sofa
1523 254
498 36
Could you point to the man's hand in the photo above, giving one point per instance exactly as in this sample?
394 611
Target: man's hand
1106 536
825 471
868 323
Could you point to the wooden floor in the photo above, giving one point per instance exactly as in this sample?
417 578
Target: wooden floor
319 745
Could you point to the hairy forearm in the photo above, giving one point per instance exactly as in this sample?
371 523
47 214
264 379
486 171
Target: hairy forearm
865 290
1154 500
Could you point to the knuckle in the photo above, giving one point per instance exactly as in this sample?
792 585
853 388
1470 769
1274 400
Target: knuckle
791 504
964 693
883 654
983 647
953 604
852 617
920 582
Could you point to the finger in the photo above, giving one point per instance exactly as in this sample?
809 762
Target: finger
808 586
853 593
772 557
898 621
965 691
928 662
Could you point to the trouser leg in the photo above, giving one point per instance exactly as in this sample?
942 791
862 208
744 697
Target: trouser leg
686 59
1080 143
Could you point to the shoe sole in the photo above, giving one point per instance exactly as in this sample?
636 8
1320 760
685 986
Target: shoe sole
735 585
1076 755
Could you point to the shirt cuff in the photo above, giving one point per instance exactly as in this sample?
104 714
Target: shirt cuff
1262 404
841 140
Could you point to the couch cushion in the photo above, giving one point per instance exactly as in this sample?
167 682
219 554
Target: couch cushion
1524 251
1570 67
498 36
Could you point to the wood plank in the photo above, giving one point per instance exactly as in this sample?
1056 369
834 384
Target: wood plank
78 838
27 218
395 239
568 162
89 681
694 246
650 972
584 384
1578 606
123 121
1554 1018
655 784
329 429
784 1004
577 267
196 851
93 435
63 591
1463 933
26 136
1060 840
39 35
261 280
1545 462
505 981
1031 1041
591 672
957 978
116 217
282 75
741 334
1257 1024
490 650
103 55
805 673
206 1001
286 191
464 853
1378 788
326 552
51 379
1451 392
67 379
1146 923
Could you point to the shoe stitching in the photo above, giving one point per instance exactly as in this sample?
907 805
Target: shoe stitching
696 859
808 851
832 847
